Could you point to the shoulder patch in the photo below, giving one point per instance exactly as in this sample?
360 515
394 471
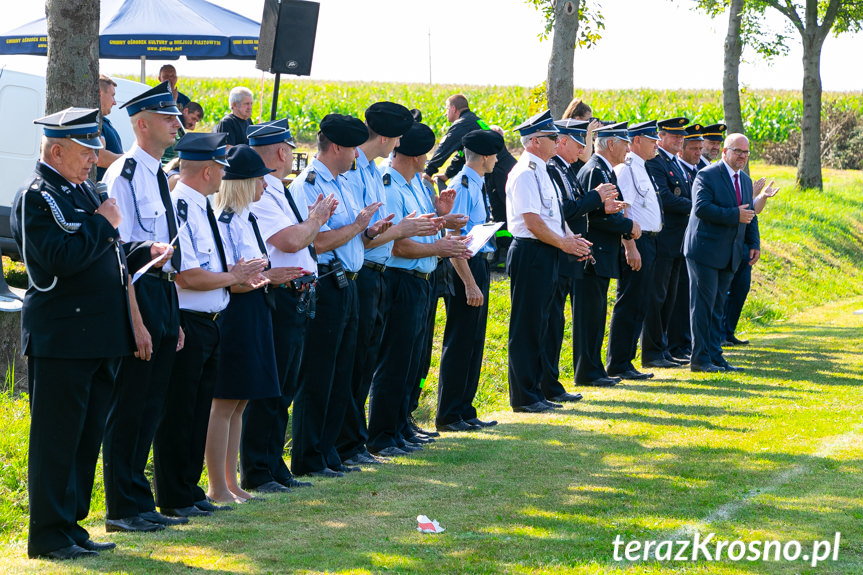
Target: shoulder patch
387 179
182 209
465 181
531 165
310 177
226 216
128 170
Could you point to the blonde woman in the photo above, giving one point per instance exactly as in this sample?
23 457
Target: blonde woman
248 360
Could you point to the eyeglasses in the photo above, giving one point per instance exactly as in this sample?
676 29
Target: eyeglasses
552 137
739 152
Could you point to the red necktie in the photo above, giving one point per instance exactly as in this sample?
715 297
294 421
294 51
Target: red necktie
737 189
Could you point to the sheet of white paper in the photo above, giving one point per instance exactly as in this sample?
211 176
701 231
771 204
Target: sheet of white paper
156 259
480 235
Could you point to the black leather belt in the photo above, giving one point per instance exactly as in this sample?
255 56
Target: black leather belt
649 234
375 266
210 315
414 273
350 275
156 273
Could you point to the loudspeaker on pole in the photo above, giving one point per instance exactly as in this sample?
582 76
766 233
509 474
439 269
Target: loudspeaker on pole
286 43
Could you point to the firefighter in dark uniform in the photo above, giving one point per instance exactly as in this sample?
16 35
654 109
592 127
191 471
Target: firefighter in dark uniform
75 328
604 231
676 200
577 203
534 216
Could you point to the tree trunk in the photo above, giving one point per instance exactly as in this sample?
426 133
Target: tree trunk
72 78
559 85
731 77
809 164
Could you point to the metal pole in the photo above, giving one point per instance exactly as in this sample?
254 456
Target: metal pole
143 69
275 109
430 74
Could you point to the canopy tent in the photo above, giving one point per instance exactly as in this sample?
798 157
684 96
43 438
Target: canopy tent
155 29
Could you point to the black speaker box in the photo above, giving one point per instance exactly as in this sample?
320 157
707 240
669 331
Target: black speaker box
287 40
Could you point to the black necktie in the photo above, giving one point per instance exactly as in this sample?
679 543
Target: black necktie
299 221
176 258
211 218
486 203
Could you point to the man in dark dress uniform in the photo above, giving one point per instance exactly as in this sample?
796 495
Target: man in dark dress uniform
604 232
577 203
675 197
75 328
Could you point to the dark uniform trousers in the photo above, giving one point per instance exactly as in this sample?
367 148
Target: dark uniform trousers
627 317
178 448
679 338
532 268
399 359
265 421
590 305
463 347
660 305
373 305
441 286
138 402
69 400
708 290
551 348
737 293
325 378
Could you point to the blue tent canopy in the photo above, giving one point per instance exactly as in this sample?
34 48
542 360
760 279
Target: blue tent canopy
157 30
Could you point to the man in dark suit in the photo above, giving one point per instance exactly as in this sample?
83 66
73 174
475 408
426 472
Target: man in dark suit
590 294
721 222
75 328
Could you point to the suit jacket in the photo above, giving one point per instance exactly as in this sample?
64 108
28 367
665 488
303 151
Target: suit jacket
604 230
575 209
86 314
674 198
715 237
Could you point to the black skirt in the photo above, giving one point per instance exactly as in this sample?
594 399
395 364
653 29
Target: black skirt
247 365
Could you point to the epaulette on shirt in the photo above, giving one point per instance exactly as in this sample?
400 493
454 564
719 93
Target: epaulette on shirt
182 209
310 177
129 168
387 179
227 215
531 165
464 180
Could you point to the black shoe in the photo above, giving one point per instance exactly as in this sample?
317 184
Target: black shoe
70 552
728 367
458 426
211 506
705 368
190 511
327 472
678 361
156 517
538 407
91 545
659 363
567 398
551 404
417 440
271 487
633 374
132 524
362 459
417 429
410 447
732 340
477 421
602 382
347 469
294 483
391 451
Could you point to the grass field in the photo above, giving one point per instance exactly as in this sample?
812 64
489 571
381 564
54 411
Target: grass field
775 453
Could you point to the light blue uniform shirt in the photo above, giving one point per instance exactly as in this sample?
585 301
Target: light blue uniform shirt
402 199
367 183
469 200
350 254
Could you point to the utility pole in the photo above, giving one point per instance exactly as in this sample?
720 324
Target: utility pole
430 74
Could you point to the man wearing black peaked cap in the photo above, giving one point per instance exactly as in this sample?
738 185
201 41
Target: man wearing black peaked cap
75 328
324 388
535 219
140 187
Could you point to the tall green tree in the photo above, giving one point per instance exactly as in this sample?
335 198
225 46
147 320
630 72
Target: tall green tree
72 77
571 24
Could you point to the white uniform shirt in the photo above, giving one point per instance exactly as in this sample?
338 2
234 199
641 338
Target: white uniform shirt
529 190
238 236
275 214
639 192
143 211
198 248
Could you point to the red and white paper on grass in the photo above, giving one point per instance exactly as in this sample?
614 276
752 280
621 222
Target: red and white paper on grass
426 525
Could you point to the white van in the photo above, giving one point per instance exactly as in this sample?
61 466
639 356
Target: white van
22 100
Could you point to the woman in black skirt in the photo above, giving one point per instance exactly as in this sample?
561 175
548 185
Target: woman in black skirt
247 368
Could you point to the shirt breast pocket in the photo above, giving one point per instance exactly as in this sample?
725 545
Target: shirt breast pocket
207 254
150 210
